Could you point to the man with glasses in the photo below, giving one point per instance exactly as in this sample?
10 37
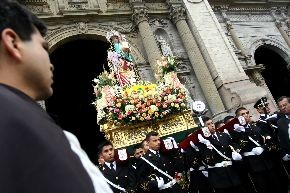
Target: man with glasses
284 129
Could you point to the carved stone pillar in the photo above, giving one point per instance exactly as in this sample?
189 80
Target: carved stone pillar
282 32
233 33
178 16
140 18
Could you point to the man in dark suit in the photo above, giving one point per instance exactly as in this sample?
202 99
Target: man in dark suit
217 152
35 154
283 125
198 171
115 172
253 148
157 172
267 122
284 130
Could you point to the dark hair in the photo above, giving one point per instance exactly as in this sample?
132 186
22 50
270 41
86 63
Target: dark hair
239 109
282 98
227 118
217 124
205 119
151 133
103 144
137 146
21 20
142 143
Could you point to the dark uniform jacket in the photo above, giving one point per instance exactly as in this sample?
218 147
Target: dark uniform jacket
35 157
269 131
198 181
118 176
283 126
146 174
255 163
220 177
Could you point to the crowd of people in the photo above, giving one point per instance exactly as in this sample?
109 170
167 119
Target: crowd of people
250 157
38 156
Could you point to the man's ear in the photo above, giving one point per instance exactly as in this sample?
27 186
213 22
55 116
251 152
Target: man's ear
10 41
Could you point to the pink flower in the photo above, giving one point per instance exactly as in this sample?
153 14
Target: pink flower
120 117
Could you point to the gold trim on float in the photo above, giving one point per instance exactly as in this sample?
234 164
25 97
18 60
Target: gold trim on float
126 135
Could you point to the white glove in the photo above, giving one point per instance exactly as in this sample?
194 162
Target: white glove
239 128
193 146
160 182
204 141
257 150
205 173
236 156
173 142
286 157
227 132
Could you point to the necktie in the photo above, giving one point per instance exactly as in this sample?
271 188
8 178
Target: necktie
214 136
112 166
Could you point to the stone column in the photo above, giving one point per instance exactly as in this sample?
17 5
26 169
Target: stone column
282 32
140 18
233 33
235 38
178 16
228 74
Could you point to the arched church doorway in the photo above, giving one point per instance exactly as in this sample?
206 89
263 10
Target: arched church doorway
276 74
76 64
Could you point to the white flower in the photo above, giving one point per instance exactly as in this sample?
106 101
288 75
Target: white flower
153 108
129 108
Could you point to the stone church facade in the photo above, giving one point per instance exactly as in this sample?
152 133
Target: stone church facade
215 40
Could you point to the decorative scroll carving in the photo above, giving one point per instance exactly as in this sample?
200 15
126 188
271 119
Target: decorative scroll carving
82 27
177 13
140 14
131 134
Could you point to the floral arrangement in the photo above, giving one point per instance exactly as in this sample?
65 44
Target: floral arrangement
147 102
123 100
166 65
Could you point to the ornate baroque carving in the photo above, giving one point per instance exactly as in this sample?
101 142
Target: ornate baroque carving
37 6
140 14
177 13
82 27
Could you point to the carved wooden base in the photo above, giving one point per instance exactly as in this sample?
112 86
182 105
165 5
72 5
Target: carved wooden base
126 135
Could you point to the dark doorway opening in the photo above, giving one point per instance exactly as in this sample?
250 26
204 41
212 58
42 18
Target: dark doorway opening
276 74
76 64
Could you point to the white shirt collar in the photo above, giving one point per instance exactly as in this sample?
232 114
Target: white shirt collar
153 151
109 164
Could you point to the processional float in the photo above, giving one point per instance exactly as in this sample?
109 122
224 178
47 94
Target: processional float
128 107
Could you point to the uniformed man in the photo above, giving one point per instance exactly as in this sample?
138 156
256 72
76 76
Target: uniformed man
217 151
267 122
252 146
198 171
156 171
284 131
115 173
